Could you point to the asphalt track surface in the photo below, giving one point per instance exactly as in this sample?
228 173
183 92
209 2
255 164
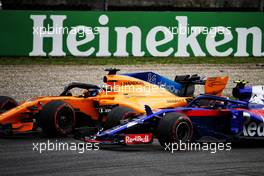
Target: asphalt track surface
17 156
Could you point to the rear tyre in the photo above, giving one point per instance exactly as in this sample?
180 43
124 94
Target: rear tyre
173 128
116 115
57 118
7 103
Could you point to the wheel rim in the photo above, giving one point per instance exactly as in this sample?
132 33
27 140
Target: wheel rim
65 120
182 131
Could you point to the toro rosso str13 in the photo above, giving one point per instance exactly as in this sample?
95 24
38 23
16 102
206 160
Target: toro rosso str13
205 118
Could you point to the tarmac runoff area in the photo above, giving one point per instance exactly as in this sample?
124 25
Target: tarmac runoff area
18 156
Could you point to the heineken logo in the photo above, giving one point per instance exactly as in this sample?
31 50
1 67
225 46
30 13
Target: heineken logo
103 39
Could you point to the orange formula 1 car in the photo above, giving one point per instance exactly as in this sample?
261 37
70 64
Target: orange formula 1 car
60 115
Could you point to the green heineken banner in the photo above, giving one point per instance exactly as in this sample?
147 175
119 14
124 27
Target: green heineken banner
121 34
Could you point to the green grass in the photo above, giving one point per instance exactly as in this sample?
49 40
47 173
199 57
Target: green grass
126 61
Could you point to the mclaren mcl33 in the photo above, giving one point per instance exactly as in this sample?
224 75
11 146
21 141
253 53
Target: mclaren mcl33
60 115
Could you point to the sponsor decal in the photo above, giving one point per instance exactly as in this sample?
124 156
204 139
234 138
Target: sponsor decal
253 129
138 138
183 39
123 34
177 100
130 83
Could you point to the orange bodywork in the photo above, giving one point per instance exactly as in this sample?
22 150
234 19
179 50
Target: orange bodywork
120 90
215 85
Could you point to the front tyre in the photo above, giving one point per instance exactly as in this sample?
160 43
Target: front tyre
116 115
7 103
57 118
173 128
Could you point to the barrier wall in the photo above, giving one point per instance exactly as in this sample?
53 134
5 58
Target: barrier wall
105 34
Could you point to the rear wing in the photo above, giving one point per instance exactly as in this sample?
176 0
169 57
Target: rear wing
213 85
188 82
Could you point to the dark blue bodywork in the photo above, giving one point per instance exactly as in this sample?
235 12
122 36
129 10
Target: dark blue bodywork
183 85
158 80
225 120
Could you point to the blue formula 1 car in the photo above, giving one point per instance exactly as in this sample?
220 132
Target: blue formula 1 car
206 117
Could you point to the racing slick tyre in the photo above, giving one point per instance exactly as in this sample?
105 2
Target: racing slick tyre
57 118
174 128
7 103
116 115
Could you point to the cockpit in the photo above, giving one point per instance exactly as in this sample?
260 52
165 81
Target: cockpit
214 102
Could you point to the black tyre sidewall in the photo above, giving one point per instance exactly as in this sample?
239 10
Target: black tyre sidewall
166 131
48 119
5 100
114 116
